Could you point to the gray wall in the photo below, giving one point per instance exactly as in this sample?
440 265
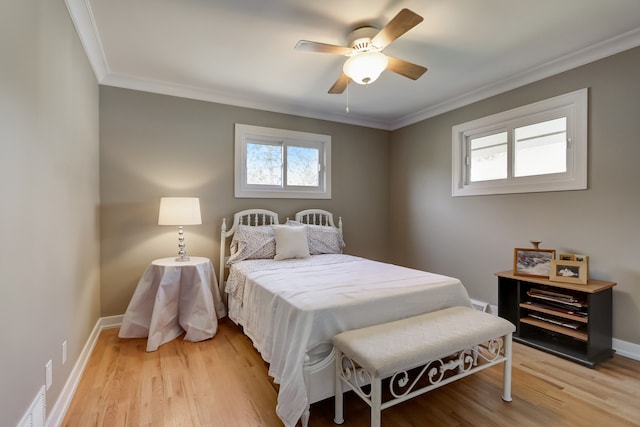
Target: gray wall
155 145
48 200
473 237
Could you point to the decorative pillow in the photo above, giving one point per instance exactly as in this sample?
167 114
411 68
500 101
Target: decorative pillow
252 242
322 239
291 242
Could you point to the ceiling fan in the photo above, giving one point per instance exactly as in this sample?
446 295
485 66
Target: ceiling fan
366 61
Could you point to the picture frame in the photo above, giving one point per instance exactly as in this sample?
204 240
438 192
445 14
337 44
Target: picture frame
568 271
581 258
533 262
573 257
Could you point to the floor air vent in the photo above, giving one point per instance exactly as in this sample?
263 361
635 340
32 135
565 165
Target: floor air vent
481 305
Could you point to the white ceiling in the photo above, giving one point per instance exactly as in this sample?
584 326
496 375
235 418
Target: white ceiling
240 52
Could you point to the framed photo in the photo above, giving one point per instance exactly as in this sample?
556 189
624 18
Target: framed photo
573 257
533 262
569 271
581 258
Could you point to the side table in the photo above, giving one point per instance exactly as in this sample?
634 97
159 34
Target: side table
171 298
578 330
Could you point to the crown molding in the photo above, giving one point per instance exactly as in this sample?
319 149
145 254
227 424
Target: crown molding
576 59
236 99
85 24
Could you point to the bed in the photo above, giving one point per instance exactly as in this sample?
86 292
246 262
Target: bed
292 297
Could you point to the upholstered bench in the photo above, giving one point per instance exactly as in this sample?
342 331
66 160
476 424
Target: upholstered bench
419 354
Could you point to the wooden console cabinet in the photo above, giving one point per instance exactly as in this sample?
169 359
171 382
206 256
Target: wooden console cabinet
570 320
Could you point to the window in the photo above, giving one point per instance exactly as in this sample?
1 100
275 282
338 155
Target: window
538 147
277 163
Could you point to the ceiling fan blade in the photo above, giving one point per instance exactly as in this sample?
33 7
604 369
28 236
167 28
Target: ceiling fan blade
341 84
404 68
308 46
400 24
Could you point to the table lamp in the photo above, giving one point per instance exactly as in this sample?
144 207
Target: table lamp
180 211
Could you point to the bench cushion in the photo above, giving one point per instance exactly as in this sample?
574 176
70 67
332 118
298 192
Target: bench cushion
404 344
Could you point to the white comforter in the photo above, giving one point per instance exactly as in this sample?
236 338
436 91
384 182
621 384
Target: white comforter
289 308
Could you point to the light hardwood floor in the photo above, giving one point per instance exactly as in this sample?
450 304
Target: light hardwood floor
223 382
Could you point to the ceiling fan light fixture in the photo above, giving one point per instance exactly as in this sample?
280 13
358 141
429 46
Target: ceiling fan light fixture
364 68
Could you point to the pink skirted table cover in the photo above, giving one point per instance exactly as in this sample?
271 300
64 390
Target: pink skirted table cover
171 298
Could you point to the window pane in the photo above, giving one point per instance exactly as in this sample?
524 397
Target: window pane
264 164
488 157
302 166
541 148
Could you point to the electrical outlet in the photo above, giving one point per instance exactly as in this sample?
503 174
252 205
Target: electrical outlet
64 352
48 371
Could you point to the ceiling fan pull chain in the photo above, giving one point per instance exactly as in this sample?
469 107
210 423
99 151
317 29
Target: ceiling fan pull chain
347 109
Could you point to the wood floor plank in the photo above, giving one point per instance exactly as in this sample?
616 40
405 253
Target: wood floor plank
223 382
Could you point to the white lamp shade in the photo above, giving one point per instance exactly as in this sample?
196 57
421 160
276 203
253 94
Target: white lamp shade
179 211
366 67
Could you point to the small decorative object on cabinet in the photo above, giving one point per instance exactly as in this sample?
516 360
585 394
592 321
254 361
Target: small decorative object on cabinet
573 257
569 271
573 321
570 268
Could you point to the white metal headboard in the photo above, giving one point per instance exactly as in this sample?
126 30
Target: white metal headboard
318 217
251 217
256 217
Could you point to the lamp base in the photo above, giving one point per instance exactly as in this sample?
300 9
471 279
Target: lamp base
182 254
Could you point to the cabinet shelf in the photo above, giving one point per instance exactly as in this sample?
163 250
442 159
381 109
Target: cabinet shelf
573 317
581 334
577 334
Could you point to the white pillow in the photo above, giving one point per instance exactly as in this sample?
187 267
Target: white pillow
291 242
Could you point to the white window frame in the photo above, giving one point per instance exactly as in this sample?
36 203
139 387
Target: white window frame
572 105
245 134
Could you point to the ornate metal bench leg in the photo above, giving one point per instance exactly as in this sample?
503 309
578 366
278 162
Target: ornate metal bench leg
376 401
338 414
506 396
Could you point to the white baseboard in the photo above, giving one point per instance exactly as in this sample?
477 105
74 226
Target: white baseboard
627 349
110 322
58 411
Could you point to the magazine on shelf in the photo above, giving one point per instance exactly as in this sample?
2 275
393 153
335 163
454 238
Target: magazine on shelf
552 294
559 322
565 299
560 308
